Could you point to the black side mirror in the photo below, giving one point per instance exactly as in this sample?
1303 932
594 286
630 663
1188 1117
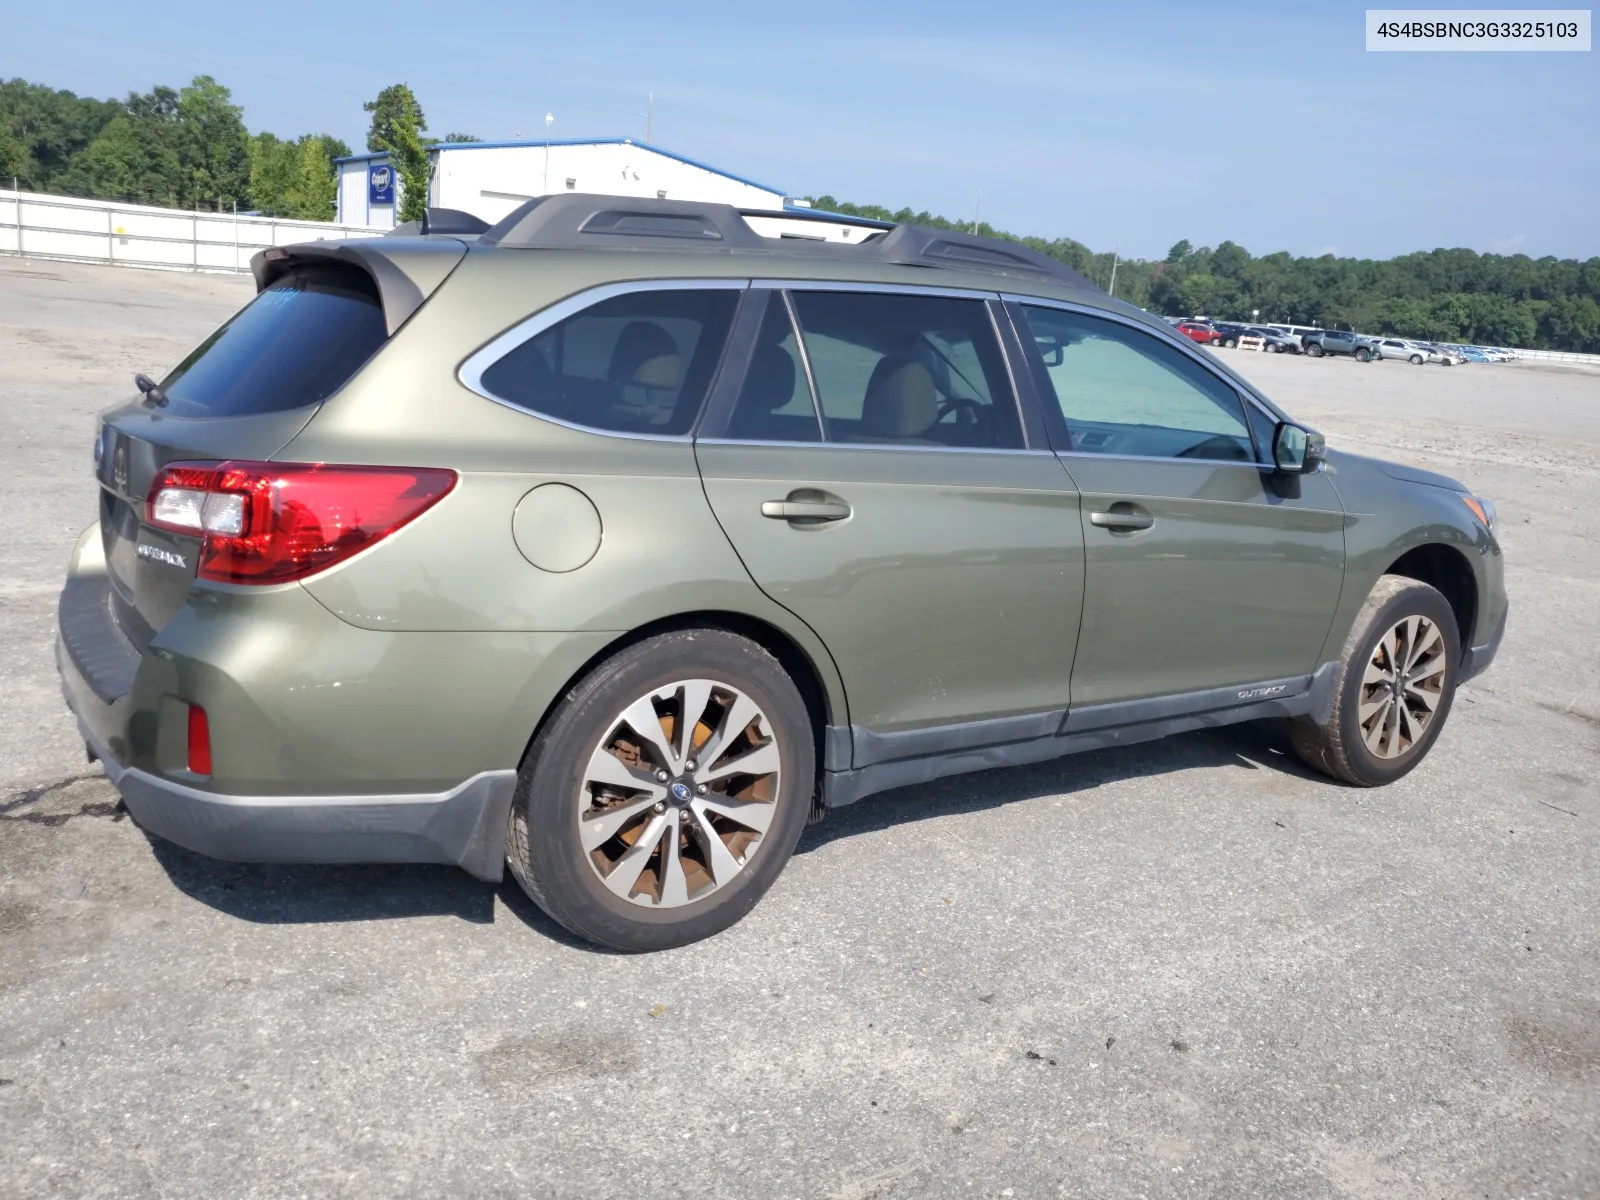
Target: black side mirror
1297 451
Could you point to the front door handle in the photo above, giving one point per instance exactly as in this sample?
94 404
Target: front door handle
1126 519
805 510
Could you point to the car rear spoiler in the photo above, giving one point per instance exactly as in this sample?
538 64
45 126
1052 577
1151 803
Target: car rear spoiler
407 270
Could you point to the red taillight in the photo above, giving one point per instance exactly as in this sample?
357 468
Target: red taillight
275 522
199 741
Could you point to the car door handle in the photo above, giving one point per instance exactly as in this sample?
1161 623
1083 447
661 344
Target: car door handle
1121 520
804 510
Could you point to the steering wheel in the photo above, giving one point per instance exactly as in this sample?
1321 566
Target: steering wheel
969 412
1221 446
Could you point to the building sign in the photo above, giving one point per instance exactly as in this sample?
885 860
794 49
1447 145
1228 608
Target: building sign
380 183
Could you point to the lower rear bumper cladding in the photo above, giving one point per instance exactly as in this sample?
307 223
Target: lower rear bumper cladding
463 827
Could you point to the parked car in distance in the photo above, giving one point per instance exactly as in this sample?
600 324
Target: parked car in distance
1473 354
1339 341
1402 350
1448 356
1230 333
1196 332
1497 354
619 541
1276 340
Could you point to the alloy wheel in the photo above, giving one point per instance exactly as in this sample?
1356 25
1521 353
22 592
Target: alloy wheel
1402 687
679 793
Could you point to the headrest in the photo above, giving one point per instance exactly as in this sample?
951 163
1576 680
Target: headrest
770 380
645 356
901 401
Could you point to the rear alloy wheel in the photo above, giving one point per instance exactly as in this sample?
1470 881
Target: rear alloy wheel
1396 684
666 792
1314 350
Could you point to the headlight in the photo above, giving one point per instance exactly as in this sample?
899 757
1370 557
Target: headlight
1484 509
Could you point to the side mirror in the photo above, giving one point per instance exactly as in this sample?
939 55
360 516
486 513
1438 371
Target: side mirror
1297 451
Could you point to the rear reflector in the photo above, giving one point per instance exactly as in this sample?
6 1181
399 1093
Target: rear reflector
275 522
199 741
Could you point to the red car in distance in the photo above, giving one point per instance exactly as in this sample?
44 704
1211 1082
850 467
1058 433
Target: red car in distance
1197 332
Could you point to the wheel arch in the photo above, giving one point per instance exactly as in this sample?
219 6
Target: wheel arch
1446 569
818 681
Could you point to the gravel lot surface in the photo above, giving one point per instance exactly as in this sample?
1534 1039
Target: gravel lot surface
1182 969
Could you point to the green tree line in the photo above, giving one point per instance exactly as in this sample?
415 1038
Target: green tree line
189 148
1444 295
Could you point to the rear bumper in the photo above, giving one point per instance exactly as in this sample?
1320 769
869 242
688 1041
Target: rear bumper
464 827
296 801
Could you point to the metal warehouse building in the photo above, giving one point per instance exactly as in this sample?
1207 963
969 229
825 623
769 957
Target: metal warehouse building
489 179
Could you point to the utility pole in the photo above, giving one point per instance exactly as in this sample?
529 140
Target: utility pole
649 118
548 119
1115 255
977 207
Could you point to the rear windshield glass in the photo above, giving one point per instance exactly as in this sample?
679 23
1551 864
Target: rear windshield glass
295 344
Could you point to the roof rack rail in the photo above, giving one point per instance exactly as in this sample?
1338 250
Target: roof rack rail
575 220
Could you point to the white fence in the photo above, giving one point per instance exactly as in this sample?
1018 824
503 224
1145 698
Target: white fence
136 235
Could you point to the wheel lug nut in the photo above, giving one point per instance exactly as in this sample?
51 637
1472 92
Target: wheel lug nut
661 806
662 777
702 789
688 764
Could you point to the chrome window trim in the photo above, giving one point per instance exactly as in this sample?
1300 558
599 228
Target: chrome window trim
842 285
470 372
897 446
797 331
1188 350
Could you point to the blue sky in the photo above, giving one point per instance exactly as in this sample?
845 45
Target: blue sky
1141 123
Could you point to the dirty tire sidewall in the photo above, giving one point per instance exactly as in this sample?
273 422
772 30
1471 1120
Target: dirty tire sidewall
542 843
1336 747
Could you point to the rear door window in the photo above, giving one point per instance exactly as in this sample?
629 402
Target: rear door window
294 345
915 370
636 363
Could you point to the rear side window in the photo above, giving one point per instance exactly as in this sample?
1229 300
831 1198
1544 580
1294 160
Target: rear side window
295 344
915 370
637 363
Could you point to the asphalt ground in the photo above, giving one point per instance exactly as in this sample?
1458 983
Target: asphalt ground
1189 968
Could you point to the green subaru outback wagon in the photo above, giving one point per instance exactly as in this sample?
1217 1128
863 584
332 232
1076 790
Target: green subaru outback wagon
620 539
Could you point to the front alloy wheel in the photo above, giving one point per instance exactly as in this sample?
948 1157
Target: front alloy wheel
1393 690
1402 687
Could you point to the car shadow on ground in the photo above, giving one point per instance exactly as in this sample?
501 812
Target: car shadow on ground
288 895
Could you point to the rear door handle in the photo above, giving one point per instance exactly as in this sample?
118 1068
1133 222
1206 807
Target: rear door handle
804 510
1121 520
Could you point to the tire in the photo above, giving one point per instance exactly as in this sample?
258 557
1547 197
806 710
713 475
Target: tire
1416 360
1363 355
588 742
1275 348
1214 341
1343 746
1229 343
1314 350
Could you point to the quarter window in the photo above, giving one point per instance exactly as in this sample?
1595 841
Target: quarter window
1123 391
911 370
637 363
